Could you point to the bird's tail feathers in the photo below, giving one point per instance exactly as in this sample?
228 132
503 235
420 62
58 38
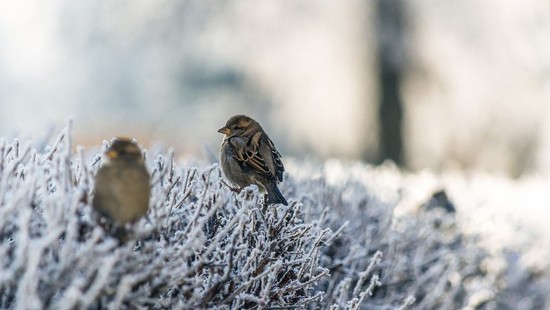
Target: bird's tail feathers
274 195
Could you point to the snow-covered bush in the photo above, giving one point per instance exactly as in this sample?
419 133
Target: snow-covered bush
337 245
201 246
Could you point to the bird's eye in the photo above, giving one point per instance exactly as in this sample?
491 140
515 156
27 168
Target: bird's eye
236 127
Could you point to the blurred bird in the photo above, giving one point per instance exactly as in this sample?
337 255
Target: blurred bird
248 157
122 186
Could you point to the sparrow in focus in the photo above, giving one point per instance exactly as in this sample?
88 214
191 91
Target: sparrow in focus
248 157
122 184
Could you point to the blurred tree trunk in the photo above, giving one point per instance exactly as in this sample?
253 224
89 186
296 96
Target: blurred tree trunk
391 57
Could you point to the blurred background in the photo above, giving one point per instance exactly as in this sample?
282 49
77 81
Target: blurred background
428 84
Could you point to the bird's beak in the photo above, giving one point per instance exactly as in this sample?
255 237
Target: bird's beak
225 130
111 154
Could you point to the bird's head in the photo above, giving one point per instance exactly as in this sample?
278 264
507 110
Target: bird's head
240 125
124 150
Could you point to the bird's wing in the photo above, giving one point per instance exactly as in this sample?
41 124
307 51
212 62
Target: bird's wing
105 199
277 161
249 154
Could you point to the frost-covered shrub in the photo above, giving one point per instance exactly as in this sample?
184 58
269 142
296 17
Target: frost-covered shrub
427 261
419 259
201 246
337 245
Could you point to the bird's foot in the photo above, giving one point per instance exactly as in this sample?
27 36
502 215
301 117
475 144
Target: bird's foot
233 189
